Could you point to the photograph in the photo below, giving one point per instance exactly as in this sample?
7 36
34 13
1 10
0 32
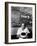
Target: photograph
20 22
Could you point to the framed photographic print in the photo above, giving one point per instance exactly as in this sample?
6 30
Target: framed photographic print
20 22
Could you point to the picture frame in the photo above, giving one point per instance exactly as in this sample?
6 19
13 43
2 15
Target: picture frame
17 14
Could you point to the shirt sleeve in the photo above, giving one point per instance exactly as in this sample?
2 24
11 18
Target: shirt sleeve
26 30
18 32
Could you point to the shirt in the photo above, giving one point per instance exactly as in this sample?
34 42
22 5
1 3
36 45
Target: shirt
20 31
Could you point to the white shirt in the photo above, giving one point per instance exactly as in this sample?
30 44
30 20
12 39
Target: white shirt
20 31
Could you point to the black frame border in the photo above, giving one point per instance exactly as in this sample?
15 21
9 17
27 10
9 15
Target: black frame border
6 22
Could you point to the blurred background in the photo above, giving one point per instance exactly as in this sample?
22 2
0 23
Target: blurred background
20 15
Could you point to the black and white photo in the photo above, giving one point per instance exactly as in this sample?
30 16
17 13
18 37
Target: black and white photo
21 22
